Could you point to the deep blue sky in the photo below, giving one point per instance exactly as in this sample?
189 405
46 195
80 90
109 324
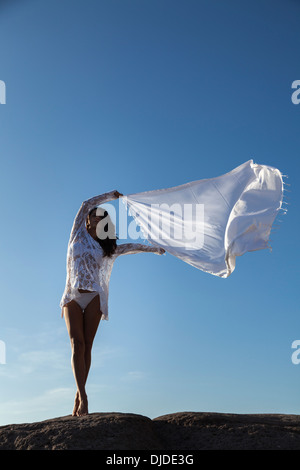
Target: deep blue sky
139 95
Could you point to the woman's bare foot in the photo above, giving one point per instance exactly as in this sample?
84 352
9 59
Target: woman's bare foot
76 404
83 407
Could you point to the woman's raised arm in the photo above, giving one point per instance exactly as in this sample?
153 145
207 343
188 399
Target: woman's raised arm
89 204
133 248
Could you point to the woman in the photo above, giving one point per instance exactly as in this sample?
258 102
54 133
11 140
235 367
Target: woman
85 299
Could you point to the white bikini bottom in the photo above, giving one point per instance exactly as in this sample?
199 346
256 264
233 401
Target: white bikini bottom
84 298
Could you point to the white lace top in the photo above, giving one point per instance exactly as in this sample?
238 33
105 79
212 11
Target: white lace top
87 267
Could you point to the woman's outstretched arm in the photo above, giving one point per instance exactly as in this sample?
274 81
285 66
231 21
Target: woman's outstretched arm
133 248
89 204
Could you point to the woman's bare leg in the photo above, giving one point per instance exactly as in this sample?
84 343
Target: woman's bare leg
91 320
82 328
74 321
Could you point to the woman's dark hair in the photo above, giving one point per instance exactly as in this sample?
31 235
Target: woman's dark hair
108 243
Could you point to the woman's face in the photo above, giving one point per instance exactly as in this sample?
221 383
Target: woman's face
105 230
94 219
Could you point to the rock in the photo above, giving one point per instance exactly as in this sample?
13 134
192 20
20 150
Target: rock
96 431
222 431
177 431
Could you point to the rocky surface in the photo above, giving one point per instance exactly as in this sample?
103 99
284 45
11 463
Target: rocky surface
176 431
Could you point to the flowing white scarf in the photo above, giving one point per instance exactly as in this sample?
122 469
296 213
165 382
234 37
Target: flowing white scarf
207 223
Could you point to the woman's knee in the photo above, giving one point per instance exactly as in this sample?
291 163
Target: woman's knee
78 345
88 344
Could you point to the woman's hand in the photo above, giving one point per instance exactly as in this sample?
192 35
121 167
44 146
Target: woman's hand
161 251
117 194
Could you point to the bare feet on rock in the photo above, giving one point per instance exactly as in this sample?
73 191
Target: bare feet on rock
83 406
80 405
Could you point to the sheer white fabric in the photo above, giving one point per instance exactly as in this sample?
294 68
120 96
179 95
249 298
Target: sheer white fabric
235 215
87 267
